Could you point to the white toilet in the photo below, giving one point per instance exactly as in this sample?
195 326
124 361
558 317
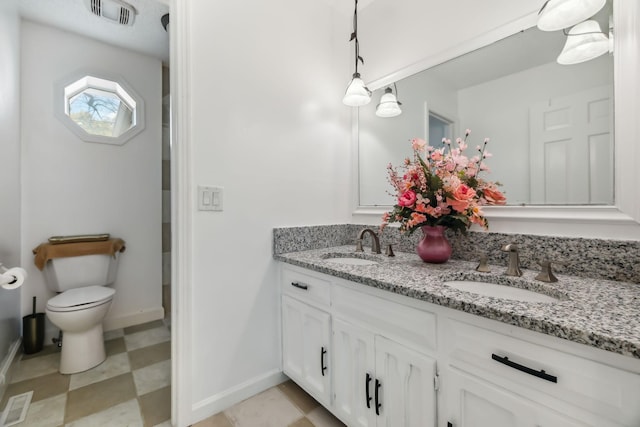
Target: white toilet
80 306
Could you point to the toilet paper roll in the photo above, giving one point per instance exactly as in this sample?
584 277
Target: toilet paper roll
13 277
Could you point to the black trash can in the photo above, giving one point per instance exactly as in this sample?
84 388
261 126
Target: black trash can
33 333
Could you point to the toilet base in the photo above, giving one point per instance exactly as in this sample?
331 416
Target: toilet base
82 350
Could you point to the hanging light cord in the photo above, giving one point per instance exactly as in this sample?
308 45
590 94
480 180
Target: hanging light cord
354 36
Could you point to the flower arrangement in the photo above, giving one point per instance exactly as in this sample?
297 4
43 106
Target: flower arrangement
442 188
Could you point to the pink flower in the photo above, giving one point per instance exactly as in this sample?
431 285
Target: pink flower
418 144
461 198
416 219
407 199
494 196
436 156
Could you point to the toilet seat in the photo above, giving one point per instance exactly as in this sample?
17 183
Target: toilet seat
80 298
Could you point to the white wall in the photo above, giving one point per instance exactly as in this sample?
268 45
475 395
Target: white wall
74 187
9 170
267 124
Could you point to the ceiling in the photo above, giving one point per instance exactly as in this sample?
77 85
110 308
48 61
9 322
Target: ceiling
146 35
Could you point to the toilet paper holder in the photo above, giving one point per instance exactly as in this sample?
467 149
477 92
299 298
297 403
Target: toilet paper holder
11 278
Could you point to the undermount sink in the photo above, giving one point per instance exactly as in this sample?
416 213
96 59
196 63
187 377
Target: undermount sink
499 291
349 259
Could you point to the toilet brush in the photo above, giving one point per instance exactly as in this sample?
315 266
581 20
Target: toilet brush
33 330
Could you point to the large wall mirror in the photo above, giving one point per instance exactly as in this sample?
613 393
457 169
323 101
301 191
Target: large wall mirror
551 126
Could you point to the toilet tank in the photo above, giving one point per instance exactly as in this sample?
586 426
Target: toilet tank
62 274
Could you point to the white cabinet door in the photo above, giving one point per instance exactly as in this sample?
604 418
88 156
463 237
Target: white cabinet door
305 343
403 389
473 402
353 374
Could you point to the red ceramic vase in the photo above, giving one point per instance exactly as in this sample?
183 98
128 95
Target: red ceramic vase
434 246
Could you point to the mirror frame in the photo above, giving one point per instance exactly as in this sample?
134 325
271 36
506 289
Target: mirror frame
621 220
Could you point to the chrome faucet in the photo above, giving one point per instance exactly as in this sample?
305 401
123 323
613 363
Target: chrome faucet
375 242
513 267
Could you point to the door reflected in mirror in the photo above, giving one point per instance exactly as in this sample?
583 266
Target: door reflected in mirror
550 126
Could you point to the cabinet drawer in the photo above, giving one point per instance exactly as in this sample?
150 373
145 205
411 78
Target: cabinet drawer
407 325
305 287
543 372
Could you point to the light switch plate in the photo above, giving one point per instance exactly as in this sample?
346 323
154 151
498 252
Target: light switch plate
209 198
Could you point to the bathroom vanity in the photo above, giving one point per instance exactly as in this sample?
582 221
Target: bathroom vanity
386 343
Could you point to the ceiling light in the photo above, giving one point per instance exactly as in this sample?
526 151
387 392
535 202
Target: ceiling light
585 41
560 14
389 105
357 94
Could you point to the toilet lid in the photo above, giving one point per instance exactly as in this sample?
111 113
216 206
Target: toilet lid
81 296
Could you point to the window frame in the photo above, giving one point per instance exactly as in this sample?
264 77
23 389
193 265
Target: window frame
75 84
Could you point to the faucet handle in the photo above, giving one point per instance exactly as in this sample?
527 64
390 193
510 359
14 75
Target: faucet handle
389 251
483 266
511 247
546 274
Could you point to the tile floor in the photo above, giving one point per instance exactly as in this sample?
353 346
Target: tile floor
286 405
131 388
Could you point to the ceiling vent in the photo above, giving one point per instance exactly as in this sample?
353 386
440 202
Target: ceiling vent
113 10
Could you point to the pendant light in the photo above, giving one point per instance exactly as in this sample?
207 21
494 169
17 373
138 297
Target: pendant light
560 14
585 41
389 105
357 94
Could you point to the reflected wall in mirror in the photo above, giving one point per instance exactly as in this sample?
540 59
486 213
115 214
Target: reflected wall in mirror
550 126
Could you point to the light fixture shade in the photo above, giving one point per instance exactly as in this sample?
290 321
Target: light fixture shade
357 93
388 106
560 14
585 41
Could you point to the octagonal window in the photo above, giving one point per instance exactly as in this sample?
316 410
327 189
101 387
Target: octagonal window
102 110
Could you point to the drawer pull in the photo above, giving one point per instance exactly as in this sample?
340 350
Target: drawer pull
366 387
299 286
378 404
323 368
540 374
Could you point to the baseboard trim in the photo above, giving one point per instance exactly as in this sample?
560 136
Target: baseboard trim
5 370
131 319
223 400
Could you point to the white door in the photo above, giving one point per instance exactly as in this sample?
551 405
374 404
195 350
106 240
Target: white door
305 345
571 149
403 390
353 374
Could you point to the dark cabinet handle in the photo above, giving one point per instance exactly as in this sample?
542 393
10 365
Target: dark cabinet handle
540 374
366 387
323 368
299 286
378 404
449 425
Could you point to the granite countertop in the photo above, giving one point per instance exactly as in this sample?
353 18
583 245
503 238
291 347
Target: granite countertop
600 313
